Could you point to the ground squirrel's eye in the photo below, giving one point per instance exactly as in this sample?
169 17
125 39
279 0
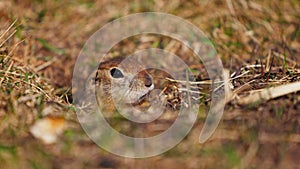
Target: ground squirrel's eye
116 73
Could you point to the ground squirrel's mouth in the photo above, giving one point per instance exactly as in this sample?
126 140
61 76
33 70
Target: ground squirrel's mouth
142 97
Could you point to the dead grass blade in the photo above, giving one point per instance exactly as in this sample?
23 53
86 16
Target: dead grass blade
5 32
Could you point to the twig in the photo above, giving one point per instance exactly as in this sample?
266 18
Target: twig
206 82
6 72
44 65
191 91
8 37
270 93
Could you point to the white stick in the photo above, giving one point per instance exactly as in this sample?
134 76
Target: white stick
270 93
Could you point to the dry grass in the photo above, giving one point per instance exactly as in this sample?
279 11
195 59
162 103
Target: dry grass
258 42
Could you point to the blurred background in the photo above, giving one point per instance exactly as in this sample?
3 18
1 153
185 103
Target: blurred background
40 41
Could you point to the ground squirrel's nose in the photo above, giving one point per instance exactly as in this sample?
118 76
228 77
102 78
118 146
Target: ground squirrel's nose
148 81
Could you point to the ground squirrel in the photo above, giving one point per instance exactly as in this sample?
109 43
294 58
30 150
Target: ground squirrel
121 81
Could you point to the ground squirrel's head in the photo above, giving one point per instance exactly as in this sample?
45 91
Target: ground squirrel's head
123 80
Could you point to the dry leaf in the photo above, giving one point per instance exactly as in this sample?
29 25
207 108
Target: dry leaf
48 129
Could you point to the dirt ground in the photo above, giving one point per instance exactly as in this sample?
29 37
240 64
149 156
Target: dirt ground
40 41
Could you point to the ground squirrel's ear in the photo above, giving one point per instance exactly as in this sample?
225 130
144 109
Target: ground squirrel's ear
96 79
90 84
116 73
93 79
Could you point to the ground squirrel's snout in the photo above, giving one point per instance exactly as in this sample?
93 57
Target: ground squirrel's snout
146 79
